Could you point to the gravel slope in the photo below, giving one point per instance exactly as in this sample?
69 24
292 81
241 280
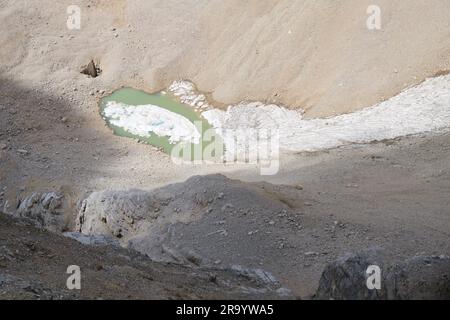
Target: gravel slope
33 265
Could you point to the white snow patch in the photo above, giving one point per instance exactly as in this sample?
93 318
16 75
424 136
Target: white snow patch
187 94
419 109
143 120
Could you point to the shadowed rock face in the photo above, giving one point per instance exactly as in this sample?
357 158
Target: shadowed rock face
207 221
178 222
421 277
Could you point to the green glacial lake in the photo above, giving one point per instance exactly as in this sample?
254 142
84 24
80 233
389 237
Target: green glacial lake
156 119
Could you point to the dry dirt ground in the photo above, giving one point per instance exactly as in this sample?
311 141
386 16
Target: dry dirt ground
391 194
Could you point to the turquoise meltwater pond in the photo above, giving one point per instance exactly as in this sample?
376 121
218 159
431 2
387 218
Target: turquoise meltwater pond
138 109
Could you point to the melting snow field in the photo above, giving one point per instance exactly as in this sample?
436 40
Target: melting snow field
423 108
419 109
143 120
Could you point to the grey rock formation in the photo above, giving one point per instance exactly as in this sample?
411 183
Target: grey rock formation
44 209
421 277
178 223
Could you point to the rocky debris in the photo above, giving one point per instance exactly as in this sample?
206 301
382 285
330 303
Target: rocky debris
91 69
45 210
26 289
421 277
99 240
177 223
345 278
6 279
35 265
258 274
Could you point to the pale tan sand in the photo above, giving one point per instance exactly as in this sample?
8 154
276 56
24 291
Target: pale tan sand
316 55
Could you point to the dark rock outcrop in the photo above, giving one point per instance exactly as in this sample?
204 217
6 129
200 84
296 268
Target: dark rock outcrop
91 69
421 277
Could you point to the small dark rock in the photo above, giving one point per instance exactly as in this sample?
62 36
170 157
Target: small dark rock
91 70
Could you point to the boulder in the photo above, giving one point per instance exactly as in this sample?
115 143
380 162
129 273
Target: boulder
421 277
178 222
90 69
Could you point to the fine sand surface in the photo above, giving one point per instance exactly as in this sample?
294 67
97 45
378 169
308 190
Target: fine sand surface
313 55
